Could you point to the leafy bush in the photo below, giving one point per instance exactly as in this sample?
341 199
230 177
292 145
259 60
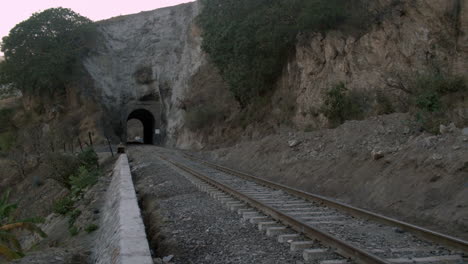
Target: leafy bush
73 230
74 171
73 216
430 88
91 228
62 167
7 141
340 105
324 15
43 53
427 98
250 41
82 179
63 206
6 115
89 159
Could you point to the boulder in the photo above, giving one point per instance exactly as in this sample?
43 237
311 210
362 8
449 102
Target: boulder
377 154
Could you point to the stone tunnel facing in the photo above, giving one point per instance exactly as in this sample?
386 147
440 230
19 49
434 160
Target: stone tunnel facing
148 122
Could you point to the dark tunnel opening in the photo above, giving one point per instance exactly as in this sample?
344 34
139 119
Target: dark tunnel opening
147 119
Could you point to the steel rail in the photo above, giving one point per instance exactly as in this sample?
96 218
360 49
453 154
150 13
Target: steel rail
342 247
440 238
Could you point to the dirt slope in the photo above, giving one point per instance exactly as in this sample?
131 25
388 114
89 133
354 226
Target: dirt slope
421 178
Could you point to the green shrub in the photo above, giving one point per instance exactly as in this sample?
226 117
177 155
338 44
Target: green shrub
73 216
430 88
91 228
89 159
6 115
62 167
428 99
250 41
320 15
82 179
7 141
73 230
63 206
340 105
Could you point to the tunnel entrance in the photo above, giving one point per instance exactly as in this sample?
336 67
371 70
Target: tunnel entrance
147 120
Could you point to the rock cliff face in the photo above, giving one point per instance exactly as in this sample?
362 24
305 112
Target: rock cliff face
147 57
410 37
157 55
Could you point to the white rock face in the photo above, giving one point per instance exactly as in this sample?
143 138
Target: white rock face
165 43
159 52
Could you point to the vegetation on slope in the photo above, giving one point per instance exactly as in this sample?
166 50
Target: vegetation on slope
433 98
430 97
77 174
249 41
10 246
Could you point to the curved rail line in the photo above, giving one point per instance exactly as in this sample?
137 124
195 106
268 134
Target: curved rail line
342 247
440 238
345 249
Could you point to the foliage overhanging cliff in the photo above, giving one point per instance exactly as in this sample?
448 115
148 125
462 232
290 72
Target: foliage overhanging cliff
250 41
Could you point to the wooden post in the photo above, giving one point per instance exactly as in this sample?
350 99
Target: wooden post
110 147
81 145
71 146
90 139
64 147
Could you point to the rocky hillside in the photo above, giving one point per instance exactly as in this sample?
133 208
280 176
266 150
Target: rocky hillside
155 52
381 164
385 163
408 38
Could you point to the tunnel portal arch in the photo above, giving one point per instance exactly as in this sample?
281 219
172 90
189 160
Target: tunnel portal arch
148 121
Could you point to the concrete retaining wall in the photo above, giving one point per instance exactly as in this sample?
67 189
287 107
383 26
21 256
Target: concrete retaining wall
121 238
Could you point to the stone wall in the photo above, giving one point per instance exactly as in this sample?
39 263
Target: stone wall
121 238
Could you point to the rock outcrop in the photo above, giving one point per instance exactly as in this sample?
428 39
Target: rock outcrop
147 55
409 38
159 52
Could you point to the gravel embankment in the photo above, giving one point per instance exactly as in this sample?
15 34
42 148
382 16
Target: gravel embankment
190 225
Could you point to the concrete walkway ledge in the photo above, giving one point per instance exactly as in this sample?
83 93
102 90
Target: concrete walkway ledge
121 238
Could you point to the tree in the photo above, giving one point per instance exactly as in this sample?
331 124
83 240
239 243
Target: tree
42 53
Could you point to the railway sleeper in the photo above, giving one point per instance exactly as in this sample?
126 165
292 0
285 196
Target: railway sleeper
447 259
262 226
277 230
301 245
315 253
288 238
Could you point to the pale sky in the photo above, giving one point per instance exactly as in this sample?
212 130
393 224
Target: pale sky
14 11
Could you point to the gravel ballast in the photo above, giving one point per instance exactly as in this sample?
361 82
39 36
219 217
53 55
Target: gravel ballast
185 225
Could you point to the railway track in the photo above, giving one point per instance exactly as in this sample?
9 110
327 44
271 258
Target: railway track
327 231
